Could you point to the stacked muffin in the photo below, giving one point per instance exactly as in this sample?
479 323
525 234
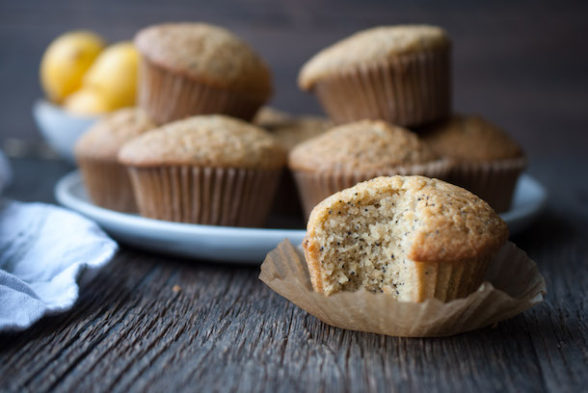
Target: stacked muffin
402 74
196 68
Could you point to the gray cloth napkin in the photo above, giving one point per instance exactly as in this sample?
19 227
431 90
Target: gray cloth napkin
44 250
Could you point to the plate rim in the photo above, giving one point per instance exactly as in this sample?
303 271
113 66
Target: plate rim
65 198
517 219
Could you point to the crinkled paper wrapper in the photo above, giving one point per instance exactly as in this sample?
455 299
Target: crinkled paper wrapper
408 90
108 184
167 96
512 284
205 195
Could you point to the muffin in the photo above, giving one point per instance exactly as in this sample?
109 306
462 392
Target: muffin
400 74
408 236
486 160
354 152
299 129
196 68
289 132
212 170
106 181
268 117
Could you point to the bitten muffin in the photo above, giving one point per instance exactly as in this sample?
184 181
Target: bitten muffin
412 237
400 74
105 180
351 153
212 170
196 68
487 161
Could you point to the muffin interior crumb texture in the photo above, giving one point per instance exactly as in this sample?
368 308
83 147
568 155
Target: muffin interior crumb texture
400 235
364 244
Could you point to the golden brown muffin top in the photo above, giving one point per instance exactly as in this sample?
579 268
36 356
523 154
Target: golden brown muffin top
214 140
105 138
471 139
299 129
365 145
448 223
207 53
369 47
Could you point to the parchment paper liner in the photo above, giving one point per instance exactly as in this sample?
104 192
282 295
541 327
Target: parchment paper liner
108 184
513 284
205 195
494 182
314 187
168 95
408 90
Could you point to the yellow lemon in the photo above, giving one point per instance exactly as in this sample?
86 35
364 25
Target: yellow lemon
87 101
114 74
65 62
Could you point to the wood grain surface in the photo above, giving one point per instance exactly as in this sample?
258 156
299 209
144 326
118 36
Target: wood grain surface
149 322
155 323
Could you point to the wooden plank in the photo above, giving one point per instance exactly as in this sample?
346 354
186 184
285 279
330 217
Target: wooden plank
559 243
154 323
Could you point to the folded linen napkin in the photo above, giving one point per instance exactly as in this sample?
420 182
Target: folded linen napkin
44 250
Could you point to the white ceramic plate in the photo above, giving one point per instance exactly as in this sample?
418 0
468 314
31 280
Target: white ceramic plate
232 244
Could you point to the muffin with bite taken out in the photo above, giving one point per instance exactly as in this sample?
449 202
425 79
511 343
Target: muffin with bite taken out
409 236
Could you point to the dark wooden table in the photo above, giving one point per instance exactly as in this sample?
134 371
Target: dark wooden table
154 323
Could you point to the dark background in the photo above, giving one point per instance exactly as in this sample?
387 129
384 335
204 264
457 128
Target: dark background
522 64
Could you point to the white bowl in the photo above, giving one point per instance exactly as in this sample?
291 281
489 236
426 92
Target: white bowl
60 128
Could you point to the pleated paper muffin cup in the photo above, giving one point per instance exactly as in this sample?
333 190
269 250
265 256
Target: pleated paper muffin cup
494 182
168 95
313 187
512 284
205 195
408 90
107 184
448 281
